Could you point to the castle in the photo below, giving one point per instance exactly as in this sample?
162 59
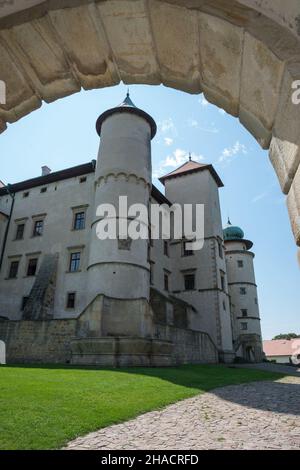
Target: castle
68 297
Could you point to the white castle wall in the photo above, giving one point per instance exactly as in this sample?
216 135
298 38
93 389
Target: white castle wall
208 297
123 169
242 277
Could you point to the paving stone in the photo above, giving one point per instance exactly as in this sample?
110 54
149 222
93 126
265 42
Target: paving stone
260 415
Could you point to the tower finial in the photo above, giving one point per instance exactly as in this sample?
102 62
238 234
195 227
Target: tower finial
127 92
190 157
228 222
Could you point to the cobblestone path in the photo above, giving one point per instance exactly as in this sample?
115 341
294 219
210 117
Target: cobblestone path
258 415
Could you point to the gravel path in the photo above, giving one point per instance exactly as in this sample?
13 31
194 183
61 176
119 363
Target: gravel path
258 415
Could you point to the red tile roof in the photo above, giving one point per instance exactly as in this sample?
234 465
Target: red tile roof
191 167
281 347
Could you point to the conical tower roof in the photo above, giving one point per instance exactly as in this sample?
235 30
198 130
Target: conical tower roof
126 106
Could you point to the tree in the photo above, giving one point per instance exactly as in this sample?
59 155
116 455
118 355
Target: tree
287 336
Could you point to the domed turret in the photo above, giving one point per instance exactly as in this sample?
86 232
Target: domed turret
126 106
243 294
235 233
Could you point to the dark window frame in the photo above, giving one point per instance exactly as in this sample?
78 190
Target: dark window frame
185 251
166 282
13 269
220 248
79 220
32 266
38 228
189 281
75 260
20 233
71 301
166 248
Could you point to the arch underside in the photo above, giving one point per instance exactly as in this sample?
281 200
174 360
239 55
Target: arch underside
241 60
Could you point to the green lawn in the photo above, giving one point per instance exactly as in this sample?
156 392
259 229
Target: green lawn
43 407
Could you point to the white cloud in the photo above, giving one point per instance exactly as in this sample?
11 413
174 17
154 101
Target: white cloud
168 141
259 197
232 152
195 124
178 157
166 125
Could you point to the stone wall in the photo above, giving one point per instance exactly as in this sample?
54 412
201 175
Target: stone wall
86 340
38 341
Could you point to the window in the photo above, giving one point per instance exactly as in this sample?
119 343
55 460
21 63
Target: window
166 282
224 305
189 281
166 248
43 190
186 250
26 194
243 290
38 228
82 180
244 312
220 249
240 263
20 231
13 270
75 262
255 301
24 302
32 266
79 221
244 326
71 297
222 281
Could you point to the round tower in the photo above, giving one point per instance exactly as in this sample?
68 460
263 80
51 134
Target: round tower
243 294
118 266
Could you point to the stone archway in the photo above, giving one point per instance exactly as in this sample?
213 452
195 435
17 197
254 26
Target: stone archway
243 54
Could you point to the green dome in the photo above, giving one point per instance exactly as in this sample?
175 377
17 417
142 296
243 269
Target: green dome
232 232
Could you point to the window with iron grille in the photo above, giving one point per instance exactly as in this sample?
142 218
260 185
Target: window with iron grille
79 221
244 326
38 228
75 262
240 263
243 290
13 269
244 312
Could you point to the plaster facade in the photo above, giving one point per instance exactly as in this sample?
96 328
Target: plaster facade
117 301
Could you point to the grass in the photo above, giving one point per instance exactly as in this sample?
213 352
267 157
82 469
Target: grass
43 407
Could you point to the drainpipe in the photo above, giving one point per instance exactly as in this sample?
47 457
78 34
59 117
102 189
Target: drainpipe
12 195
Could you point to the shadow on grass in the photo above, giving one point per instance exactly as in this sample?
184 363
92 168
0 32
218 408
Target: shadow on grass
278 397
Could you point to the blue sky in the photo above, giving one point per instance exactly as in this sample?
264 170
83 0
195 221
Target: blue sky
63 134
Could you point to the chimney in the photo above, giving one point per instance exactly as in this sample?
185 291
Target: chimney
45 170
